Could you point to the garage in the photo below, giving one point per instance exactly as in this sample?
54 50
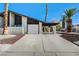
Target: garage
33 26
33 29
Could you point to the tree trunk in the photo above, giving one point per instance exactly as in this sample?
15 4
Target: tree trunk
69 25
5 29
63 24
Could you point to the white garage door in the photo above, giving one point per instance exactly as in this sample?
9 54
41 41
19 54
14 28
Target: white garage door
32 28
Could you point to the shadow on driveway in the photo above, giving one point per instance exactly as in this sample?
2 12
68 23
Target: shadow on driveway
71 37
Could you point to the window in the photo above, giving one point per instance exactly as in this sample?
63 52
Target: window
18 20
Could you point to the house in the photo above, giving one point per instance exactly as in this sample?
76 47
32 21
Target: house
75 28
22 24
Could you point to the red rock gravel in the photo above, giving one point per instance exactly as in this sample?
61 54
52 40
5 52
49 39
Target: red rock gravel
11 40
72 37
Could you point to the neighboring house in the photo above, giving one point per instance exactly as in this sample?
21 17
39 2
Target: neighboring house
21 24
60 23
75 28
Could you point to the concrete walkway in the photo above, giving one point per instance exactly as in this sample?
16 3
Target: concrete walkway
41 45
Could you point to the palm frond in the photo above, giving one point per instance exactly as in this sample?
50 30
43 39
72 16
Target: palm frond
71 12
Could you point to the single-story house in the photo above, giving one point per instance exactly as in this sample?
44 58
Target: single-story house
22 24
75 28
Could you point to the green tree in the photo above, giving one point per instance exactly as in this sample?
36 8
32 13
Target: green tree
58 27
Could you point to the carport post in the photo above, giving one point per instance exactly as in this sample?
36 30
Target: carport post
54 29
40 27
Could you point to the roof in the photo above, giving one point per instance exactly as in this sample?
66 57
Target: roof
22 15
52 23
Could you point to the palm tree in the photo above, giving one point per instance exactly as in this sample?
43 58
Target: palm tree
5 29
64 19
69 13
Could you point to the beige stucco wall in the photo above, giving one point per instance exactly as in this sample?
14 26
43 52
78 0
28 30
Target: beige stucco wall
40 27
11 18
16 30
24 23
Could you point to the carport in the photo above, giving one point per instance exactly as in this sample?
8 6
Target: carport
51 27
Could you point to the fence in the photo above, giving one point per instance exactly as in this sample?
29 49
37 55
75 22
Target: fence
14 30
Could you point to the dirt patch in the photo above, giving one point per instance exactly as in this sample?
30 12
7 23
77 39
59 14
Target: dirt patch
11 40
71 37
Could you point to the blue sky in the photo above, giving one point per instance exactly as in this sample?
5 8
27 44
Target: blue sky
37 10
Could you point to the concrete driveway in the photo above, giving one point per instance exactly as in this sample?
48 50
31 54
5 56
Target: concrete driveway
40 45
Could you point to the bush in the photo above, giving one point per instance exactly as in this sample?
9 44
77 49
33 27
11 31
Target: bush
58 27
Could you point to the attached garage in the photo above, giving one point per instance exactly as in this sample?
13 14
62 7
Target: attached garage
33 26
33 29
